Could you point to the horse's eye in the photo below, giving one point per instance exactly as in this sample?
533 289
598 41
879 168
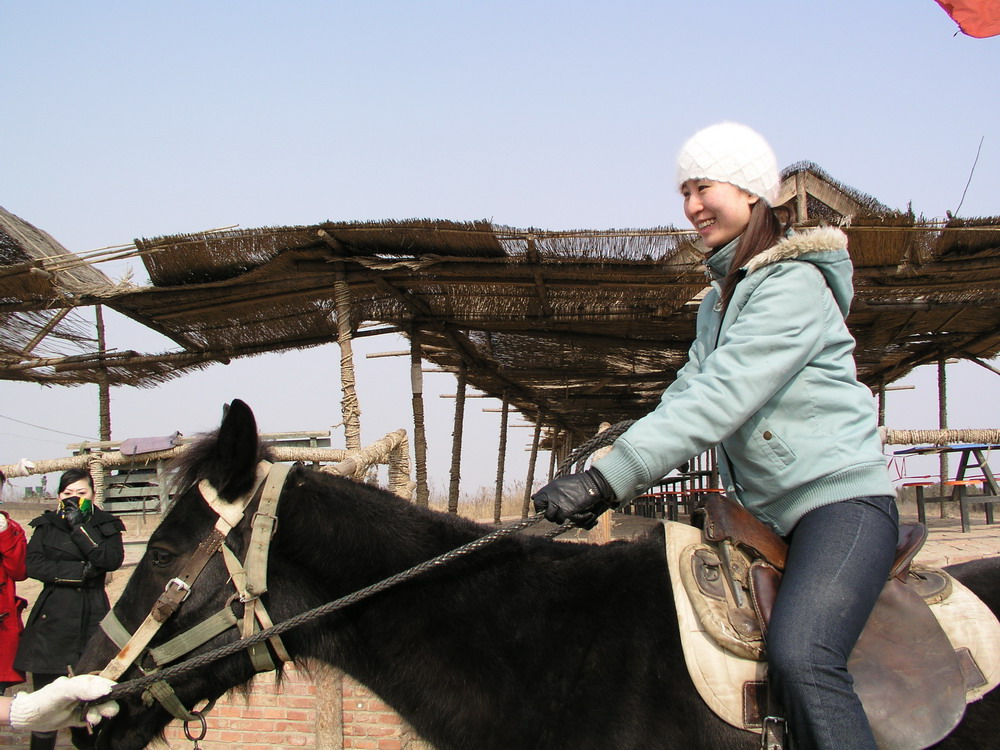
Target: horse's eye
161 557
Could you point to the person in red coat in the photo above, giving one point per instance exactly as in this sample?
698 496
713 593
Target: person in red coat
13 549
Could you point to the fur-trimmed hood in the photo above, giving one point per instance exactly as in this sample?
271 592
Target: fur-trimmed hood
824 247
818 240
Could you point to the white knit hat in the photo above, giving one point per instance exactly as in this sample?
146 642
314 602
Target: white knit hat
733 153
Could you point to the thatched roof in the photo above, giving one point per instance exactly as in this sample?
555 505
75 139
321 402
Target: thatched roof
583 326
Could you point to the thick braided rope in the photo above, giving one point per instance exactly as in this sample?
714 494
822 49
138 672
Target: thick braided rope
582 452
137 685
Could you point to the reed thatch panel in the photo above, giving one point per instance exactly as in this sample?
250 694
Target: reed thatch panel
40 281
416 238
217 256
584 326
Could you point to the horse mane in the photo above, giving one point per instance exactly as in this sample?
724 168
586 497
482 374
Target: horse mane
189 467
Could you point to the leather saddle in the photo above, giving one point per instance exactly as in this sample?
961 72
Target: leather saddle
906 671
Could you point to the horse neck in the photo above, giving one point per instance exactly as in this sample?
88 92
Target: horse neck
471 637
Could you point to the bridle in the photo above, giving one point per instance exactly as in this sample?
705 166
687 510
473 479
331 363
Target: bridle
250 582
248 577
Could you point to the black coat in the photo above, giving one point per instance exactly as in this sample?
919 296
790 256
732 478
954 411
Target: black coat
72 565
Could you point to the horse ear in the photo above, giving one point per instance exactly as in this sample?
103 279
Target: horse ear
236 451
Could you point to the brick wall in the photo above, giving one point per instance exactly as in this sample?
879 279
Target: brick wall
300 713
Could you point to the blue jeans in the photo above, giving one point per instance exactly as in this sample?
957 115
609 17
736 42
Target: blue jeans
838 561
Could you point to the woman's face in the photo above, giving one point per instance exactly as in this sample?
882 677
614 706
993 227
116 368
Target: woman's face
79 489
719 211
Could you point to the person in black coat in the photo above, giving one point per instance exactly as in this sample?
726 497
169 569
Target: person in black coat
70 551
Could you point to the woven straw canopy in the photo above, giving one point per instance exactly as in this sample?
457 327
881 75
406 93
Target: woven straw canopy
580 327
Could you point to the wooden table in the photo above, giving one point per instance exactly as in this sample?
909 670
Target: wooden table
973 456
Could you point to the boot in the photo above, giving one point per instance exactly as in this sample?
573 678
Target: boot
43 740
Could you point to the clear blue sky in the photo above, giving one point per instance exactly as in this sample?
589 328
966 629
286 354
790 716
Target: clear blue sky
138 119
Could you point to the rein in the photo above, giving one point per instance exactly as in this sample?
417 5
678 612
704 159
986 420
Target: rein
133 686
255 584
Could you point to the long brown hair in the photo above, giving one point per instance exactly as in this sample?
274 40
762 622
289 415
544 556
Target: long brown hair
766 227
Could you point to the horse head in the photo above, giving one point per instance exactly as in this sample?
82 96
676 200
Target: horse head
181 587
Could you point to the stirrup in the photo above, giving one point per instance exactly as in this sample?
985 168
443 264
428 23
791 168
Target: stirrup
772 733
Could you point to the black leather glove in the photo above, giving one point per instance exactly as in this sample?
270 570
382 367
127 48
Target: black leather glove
581 498
72 513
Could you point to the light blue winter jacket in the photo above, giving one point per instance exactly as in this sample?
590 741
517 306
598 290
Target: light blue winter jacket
774 382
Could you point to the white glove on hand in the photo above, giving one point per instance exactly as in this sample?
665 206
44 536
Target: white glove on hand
60 704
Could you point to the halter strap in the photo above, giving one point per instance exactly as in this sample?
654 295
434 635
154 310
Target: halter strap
178 589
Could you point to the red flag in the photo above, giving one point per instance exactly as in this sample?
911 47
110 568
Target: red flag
978 18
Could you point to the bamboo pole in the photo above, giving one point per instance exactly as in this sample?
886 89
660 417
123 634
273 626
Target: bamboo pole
419 433
980 362
46 329
393 449
501 460
456 443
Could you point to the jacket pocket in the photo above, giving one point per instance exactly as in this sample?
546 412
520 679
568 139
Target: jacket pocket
765 448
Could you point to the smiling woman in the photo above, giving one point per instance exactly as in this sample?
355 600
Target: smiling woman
771 383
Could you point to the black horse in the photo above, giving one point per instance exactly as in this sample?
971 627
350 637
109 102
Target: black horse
527 643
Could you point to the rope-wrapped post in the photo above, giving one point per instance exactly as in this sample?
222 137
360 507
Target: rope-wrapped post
393 450
940 437
419 432
108 459
96 468
399 469
350 408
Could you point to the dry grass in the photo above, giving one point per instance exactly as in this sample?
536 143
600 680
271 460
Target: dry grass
480 505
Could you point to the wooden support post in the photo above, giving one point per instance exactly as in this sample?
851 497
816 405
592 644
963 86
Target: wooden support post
554 451
350 407
330 708
501 460
526 504
801 199
456 444
942 425
602 533
103 385
419 433
163 480
881 404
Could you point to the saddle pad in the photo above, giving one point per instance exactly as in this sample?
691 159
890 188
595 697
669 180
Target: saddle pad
720 677
971 625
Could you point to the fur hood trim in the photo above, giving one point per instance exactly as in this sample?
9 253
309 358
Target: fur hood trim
818 240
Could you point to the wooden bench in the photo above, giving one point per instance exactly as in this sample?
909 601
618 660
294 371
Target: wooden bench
959 492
